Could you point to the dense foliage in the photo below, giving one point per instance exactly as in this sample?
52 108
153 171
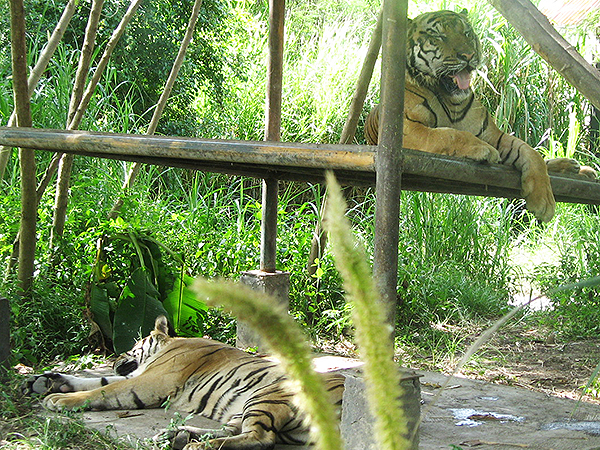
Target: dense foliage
457 253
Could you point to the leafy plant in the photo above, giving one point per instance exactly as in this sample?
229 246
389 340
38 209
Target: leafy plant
133 284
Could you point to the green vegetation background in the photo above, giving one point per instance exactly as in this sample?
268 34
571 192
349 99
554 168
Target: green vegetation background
463 260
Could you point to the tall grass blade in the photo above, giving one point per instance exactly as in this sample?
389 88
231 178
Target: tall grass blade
590 282
593 376
373 334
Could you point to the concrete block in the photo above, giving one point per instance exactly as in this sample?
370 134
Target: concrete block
4 335
357 422
276 284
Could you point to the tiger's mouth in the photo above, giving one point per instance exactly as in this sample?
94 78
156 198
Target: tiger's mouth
458 81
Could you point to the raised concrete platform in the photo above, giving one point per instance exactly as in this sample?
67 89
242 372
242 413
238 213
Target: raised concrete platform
470 414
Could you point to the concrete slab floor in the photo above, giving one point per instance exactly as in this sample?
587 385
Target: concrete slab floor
471 414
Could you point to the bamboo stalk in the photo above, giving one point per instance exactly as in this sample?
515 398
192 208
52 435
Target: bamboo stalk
26 155
162 102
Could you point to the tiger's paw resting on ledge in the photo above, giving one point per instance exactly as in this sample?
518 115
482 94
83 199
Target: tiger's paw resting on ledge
570 166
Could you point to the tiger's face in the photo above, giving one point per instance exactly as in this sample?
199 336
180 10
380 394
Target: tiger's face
145 348
443 50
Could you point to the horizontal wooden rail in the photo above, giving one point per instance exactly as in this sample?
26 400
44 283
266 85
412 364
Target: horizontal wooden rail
353 164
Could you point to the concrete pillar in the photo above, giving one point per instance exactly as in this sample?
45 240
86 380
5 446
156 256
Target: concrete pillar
276 284
4 335
357 423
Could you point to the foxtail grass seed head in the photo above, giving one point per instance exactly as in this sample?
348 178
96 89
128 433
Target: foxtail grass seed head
287 342
373 334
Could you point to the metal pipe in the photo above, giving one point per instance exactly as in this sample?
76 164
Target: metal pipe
388 162
268 247
268 229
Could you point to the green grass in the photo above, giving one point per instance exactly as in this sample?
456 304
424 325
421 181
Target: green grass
455 251
22 427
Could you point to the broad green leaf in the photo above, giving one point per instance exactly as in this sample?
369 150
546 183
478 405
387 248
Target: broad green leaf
136 312
187 312
100 308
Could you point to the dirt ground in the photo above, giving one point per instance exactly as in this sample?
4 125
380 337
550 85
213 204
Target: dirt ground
518 356
530 359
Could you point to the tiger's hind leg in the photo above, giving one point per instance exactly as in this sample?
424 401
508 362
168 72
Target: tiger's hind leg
268 417
184 434
253 438
568 165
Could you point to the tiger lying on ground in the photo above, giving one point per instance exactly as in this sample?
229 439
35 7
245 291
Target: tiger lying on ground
441 114
248 394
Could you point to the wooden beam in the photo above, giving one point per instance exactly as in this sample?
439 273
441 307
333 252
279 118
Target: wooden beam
352 164
550 45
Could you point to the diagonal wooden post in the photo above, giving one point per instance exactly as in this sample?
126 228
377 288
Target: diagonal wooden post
319 239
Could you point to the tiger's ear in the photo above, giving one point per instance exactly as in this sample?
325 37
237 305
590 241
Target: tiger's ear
464 13
161 324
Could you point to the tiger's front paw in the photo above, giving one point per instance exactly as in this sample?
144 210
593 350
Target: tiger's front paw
539 198
57 402
568 165
562 165
480 151
588 172
45 383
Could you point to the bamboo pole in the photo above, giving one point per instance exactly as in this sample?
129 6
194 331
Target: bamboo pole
353 164
26 155
270 185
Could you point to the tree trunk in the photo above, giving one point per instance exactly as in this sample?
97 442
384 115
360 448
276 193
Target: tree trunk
27 156
39 69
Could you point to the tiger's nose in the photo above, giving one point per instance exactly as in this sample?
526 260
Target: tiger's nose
466 56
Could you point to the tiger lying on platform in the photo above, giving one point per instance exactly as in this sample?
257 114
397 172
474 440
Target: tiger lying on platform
247 393
441 114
